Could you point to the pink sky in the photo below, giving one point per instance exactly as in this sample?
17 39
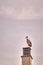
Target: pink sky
12 40
19 18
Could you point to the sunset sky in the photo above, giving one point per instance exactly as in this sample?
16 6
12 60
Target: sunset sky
19 18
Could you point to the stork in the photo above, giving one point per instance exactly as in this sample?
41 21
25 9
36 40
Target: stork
28 42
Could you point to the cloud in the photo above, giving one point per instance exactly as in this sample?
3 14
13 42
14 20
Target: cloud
24 9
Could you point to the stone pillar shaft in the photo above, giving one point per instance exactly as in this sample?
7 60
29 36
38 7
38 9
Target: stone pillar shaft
27 58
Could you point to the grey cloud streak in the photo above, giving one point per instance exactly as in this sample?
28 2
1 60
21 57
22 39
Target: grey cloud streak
22 8
23 3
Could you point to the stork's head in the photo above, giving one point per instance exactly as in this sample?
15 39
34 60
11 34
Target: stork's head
26 37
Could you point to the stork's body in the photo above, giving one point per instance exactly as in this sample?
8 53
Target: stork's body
28 41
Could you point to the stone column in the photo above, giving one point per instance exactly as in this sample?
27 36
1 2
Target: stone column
26 58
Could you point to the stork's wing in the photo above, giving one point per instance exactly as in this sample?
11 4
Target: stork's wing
29 42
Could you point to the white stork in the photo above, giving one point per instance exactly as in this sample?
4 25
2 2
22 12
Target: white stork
28 41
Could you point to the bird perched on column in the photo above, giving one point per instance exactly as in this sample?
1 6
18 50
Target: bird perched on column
28 42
